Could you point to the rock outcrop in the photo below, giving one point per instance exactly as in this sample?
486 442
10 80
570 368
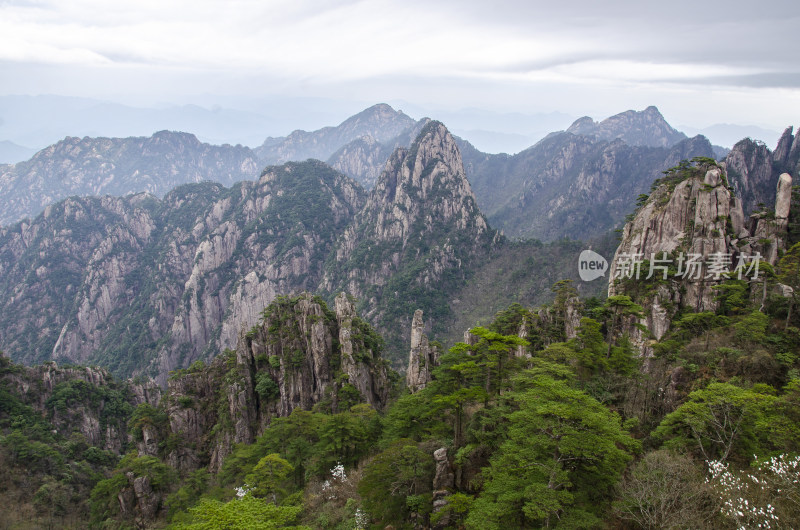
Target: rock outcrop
443 484
423 356
693 222
749 166
83 400
754 170
359 348
301 355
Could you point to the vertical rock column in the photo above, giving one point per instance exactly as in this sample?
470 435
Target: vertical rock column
422 357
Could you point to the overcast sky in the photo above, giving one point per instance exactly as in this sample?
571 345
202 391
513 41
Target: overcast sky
701 62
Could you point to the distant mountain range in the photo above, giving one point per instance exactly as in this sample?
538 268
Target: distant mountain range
577 183
117 166
647 128
358 147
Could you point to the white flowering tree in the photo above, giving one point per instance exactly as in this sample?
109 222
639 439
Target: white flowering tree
765 496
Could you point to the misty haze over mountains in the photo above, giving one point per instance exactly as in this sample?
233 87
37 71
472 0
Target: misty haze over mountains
30 123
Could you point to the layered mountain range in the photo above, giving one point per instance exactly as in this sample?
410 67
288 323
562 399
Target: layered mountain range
570 185
147 285
542 192
149 282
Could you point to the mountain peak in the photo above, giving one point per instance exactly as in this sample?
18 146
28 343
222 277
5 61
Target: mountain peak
583 126
420 220
380 122
432 163
380 109
638 128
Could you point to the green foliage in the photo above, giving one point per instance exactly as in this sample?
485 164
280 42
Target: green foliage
189 493
718 422
34 455
456 510
564 453
789 267
342 438
247 512
732 297
147 415
397 482
509 321
266 387
416 417
104 501
685 169
751 328
269 477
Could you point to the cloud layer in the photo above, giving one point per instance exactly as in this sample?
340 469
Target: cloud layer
562 54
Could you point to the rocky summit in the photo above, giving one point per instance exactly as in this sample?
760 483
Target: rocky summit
117 166
646 128
420 228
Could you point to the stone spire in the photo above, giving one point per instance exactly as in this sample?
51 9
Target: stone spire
422 358
783 200
521 351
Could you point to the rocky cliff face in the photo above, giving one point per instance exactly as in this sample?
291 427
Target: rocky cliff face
418 230
754 169
646 128
693 212
83 400
570 185
142 285
117 166
301 355
272 239
68 268
362 159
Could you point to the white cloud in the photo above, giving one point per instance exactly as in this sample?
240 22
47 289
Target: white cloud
510 54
